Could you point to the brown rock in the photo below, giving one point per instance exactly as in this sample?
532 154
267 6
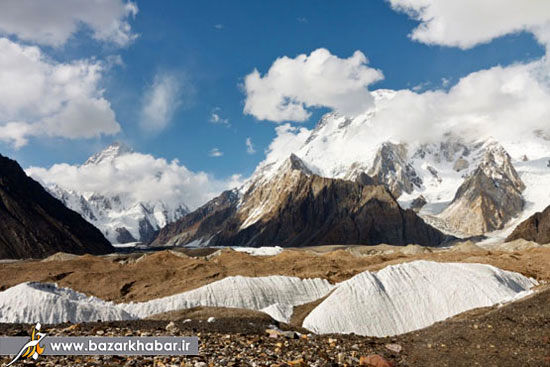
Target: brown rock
297 363
375 360
536 228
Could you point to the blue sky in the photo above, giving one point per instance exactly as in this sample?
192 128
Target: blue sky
209 47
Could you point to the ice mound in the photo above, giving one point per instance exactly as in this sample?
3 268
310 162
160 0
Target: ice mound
260 251
49 304
411 296
241 292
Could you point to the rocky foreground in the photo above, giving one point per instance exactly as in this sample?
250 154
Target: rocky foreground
517 334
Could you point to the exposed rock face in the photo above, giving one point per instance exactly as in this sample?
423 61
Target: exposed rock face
489 197
200 224
535 228
460 164
35 224
391 168
418 203
298 208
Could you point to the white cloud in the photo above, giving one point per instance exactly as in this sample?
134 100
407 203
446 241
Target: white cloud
292 86
218 26
161 100
216 118
467 23
215 152
289 139
53 22
143 176
41 97
250 146
507 103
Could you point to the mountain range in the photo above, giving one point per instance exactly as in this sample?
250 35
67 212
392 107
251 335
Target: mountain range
463 187
342 182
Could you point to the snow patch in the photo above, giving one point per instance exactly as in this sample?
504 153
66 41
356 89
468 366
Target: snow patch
279 312
260 251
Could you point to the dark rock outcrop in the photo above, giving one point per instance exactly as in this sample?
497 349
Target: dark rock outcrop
33 224
392 168
124 236
536 228
418 203
298 208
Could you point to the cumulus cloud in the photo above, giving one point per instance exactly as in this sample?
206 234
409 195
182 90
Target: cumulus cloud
509 104
41 97
142 176
216 118
250 146
215 153
294 85
467 23
53 22
162 99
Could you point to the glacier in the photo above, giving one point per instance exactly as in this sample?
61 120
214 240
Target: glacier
410 296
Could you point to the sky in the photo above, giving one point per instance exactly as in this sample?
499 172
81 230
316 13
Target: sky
210 83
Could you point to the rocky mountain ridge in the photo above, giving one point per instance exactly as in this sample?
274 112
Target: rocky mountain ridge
296 207
489 197
428 173
34 224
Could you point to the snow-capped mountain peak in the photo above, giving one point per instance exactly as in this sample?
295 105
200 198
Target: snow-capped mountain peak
119 214
110 153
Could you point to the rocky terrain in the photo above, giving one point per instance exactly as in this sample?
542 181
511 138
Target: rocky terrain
33 224
511 335
536 228
295 207
143 276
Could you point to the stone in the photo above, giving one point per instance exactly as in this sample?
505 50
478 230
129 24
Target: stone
375 360
394 348
171 327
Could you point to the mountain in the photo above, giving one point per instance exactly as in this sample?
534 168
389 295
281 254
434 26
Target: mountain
536 228
454 181
489 197
292 206
120 217
33 224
